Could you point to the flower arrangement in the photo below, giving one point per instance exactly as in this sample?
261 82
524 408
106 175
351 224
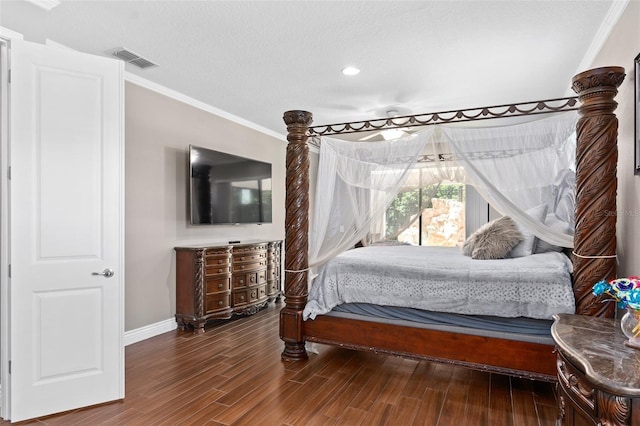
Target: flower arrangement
625 291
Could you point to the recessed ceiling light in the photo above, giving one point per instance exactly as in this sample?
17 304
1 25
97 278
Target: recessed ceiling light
350 71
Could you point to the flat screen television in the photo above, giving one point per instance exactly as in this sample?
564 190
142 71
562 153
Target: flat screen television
228 189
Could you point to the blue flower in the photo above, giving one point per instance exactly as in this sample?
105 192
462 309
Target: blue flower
634 296
601 287
624 291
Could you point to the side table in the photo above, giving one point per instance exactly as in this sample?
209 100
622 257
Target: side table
598 376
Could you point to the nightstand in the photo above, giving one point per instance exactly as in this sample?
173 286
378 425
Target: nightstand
598 376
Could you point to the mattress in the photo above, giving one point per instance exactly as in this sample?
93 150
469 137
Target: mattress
442 279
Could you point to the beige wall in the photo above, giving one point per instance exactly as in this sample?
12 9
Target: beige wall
622 46
158 131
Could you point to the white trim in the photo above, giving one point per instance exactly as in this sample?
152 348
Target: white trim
5 340
9 34
606 27
45 4
147 84
149 331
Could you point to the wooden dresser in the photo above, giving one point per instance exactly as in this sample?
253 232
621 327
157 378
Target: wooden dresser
598 376
219 280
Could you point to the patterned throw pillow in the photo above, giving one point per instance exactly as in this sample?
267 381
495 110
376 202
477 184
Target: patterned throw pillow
493 240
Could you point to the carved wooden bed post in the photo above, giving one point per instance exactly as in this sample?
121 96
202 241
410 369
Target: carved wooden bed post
296 260
596 186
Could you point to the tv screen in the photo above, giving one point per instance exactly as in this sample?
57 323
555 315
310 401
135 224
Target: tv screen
228 189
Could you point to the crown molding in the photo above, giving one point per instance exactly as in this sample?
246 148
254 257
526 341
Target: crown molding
6 33
606 27
45 4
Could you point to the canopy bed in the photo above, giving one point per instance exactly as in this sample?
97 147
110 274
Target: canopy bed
593 253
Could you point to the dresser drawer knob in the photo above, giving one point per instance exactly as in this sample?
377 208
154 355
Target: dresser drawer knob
219 270
241 297
220 302
219 261
241 281
220 285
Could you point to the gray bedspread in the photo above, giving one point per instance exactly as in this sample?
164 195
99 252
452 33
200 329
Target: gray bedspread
442 279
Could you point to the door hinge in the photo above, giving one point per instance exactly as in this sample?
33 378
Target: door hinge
9 367
9 76
9 173
9 270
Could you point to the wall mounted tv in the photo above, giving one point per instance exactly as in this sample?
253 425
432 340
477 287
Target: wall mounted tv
228 189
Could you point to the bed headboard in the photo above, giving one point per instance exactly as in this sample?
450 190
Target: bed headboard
596 188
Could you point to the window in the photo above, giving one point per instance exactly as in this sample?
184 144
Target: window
432 215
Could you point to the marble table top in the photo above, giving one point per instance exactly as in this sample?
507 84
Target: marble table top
596 346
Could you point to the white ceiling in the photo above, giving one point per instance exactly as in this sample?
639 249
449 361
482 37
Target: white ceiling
257 59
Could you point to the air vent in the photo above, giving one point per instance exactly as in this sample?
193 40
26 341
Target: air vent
132 58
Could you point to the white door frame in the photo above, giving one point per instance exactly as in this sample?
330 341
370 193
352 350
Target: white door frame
5 35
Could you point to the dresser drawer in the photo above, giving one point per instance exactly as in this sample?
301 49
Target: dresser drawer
261 292
249 279
249 295
216 302
249 266
247 250
217 285
217 260
240 298
576 386
249 257
272 288
272 274
217 270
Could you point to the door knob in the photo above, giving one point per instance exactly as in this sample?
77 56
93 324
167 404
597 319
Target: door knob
107 273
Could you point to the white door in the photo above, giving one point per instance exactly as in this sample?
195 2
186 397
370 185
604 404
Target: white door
66 223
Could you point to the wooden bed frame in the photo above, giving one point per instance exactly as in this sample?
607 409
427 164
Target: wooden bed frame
594 241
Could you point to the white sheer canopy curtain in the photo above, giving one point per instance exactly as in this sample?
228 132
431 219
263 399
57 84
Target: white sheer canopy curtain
519 167
356 183
515 167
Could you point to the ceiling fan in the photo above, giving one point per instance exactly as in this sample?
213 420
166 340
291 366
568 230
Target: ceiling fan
392 133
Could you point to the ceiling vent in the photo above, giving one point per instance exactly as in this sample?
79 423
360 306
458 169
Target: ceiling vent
132 58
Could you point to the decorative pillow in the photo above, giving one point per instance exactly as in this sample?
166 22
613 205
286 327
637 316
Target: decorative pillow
527 246
493 240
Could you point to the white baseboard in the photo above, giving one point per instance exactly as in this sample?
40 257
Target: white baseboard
148 331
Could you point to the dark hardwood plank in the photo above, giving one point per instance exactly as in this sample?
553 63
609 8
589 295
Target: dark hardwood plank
430 407
233 375
500 409
478 400
455 403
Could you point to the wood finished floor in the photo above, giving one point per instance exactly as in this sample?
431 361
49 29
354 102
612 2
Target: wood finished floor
233 375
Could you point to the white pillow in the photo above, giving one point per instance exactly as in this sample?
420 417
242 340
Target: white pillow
527 246
557 225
